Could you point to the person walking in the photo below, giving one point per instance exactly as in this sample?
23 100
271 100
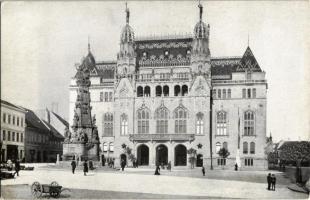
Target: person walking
73 166
85 169
269 180
157 170
203 171
123 164
17 167
273 182
236 167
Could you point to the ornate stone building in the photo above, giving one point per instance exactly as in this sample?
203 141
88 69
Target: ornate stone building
166 95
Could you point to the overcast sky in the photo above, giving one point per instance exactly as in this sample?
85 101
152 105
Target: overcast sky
41 42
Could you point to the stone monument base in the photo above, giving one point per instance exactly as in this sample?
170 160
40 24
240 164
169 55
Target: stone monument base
80 151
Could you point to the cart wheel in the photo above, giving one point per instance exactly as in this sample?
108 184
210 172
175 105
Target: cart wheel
54 194
54 183
36 189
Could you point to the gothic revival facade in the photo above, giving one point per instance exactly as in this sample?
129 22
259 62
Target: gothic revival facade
166 95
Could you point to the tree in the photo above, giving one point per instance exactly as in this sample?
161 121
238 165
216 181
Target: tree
192 157
223 153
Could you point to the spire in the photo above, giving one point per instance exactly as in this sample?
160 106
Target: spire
127 14
248 39
200 11
88 45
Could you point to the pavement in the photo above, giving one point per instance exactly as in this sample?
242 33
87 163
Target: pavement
119 181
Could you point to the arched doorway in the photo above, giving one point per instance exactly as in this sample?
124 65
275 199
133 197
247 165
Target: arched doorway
180 153
123 157
143 155
161 155
199 161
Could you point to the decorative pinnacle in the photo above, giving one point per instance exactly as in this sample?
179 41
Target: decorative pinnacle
127 14
200 11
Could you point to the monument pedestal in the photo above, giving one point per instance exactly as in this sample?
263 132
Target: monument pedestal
83 151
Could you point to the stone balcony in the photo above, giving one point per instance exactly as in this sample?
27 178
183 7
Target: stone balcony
162 137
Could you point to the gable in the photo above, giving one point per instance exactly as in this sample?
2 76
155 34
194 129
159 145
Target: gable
248 62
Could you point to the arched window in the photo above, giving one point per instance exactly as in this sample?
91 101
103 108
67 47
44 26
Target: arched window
199 123
140 91
108 124
143 121
252 148
161 115
225 145
219 93
224 93
249 123
254 92
166 90
124 124
221 123
184 90
147 91
180 115
177 90
229 93
245 148
217 147
111 146
158 91
105 147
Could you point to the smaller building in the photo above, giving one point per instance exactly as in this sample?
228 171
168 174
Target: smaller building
42 142
12 132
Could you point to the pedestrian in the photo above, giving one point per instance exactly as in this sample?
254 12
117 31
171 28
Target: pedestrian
157 170
10 165
85 169
236 167
123 163
113 163
169 166
91 166
17 167
203 171
73 166
269 180
273 182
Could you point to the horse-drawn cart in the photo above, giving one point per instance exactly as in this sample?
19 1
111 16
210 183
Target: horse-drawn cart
53 189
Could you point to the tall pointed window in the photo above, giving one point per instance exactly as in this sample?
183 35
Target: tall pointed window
221 123
229 93
245 148
124 124
199 123
161 115
108 124
143 121
252 148
249 123
224 93
180 115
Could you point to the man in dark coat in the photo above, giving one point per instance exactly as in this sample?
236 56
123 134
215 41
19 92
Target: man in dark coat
203 171
269 180
17 167
73 165
157 170
236 167
273 182
123 164
85 169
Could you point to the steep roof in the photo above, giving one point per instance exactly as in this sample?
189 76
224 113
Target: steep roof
54 131
10 104
248 62
163 52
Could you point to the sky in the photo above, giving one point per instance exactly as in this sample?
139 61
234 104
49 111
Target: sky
42 41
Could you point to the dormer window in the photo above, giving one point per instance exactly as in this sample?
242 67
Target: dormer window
166 53
188 52
144 54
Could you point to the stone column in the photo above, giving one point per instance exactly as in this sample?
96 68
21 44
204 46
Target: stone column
152 152
171 153
57 161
